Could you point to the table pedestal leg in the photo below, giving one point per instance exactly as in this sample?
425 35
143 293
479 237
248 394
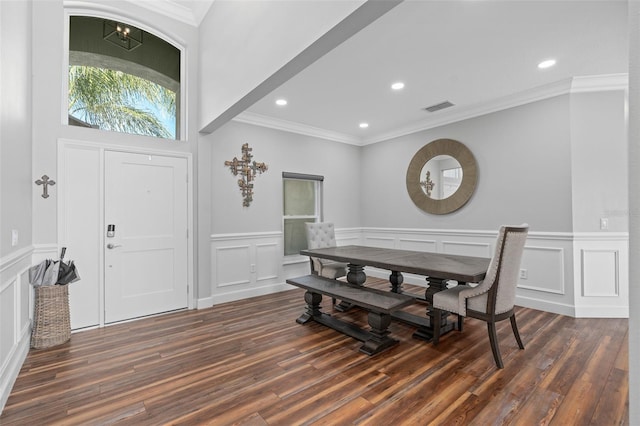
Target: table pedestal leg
424 333
355 276
396 279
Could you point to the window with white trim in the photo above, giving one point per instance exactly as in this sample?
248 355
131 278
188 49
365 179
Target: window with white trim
122 79
302 203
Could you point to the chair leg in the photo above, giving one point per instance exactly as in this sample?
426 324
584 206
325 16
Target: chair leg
333 300
437 316
514 327
460 322
493 339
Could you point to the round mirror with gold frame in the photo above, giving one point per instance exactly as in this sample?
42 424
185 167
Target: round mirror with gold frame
442 176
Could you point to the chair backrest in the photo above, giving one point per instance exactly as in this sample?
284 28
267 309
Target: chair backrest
320 235
505 268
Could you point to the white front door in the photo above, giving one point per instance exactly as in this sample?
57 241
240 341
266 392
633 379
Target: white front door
146 268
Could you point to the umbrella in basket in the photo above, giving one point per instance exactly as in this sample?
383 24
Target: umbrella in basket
50 272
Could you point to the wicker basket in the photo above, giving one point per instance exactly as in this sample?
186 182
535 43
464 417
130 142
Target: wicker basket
51 324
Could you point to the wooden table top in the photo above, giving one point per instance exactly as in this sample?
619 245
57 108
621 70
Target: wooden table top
438 265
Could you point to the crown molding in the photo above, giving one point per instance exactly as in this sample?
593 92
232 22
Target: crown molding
580 84
291 126
599 83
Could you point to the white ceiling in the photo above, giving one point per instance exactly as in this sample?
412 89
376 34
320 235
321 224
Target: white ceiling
471 53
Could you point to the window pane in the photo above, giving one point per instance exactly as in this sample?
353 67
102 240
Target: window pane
112 100
299 197
295 236
122 79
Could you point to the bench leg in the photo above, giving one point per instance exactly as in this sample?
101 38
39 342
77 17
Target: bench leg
313 307
379 339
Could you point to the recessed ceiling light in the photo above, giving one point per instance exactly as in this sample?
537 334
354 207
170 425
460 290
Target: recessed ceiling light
547 64
364 125
281 102
397 86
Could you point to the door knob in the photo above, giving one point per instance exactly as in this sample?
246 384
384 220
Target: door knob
111 246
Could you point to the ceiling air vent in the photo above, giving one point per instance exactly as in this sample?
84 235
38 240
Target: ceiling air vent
438 107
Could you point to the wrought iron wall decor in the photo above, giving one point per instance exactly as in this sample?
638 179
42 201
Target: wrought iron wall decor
247 169
45 182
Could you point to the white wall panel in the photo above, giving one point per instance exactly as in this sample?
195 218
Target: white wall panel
231 265
381 242
600 273
267 261
466 248
247 265
79 187
417 244
8 314
544 268
15 313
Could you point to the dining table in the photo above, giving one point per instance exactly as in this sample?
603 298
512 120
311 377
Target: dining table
439 270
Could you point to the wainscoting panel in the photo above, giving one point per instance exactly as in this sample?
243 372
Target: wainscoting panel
418 244
544 269
581 275
230 265
245 265
9 314
15 317
466 248
600 273
380 242
268 258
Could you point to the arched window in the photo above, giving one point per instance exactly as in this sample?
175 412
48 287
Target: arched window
122 78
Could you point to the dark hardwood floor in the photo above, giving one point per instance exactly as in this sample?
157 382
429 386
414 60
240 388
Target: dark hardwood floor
250 363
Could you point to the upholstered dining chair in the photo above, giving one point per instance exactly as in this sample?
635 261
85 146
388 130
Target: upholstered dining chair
493 299
323 235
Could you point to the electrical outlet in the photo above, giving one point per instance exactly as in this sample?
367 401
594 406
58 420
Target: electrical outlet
253 267
14 237
523 274
604 223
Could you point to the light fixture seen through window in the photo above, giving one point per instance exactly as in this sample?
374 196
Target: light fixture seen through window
122 35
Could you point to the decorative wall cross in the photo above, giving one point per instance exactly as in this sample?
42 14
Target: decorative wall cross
247 170
427 184
45 182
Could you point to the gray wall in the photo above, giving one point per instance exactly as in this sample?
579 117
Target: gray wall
281 151
220 209
598 161
524 162
16 180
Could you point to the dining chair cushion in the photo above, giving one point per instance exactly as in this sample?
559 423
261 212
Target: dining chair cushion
458 299
330 269
321 235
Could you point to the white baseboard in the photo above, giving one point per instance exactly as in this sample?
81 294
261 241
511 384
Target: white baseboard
545 305
602 312
232 296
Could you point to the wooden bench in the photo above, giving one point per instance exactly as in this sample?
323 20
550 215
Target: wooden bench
379 303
